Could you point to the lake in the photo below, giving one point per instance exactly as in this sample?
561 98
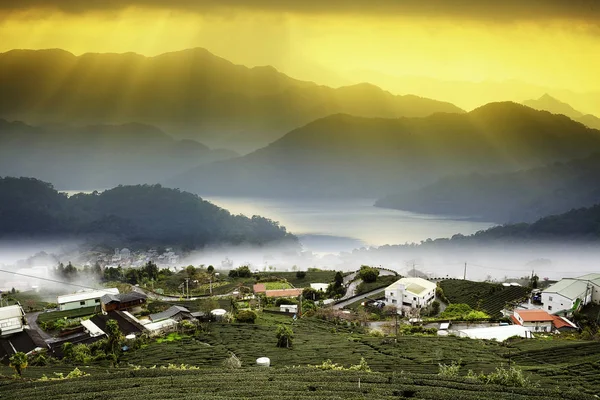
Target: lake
334 225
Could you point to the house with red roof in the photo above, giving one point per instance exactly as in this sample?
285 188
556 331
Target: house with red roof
534 320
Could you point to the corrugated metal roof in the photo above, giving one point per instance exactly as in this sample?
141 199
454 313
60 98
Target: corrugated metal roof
534 315
499 333
169 313
569 288
87 295
11 312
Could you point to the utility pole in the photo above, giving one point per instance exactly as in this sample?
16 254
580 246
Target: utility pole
414 272
187 287
465 273
210 285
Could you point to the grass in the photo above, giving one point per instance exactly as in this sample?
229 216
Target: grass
381 282
490 298
79 312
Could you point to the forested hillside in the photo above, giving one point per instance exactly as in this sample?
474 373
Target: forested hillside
144 215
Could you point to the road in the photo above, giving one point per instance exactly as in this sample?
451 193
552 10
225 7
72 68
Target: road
32 322
357 298
351 290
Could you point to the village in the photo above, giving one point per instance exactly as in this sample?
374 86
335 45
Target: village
374 300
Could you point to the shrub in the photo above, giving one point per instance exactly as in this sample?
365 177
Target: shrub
284 335
449 370
368 274
232 362
246 316
301 274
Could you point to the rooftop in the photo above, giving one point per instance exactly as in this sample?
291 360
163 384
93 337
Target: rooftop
260 288
11 312
561 322
570 288
169 313
416 286
126 324
123 297
86 295
534 315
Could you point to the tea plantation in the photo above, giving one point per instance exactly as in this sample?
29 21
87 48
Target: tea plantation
483 296
269 383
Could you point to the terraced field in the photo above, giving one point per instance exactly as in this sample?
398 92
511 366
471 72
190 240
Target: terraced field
488 297
269 383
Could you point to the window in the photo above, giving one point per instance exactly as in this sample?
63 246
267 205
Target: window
549 308
97 300
550 298
414 298
393 301
82 303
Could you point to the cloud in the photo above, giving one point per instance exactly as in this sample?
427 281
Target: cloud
499 10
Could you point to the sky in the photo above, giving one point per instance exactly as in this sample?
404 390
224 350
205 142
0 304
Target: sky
545 43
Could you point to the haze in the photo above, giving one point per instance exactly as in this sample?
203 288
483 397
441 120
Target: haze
527 48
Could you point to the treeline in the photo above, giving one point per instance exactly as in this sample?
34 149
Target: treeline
143 215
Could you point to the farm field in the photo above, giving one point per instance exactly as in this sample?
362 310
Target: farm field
269 383
488 297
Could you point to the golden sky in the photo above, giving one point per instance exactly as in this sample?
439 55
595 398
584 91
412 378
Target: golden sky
334 42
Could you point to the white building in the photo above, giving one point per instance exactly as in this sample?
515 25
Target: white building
410 292
570 293
83 299
12 320
319 286
289 308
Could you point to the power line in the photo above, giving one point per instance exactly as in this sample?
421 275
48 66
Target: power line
52 280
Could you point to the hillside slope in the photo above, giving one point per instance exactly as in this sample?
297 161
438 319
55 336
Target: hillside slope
522 196
191 93
98 156
348 155
138 215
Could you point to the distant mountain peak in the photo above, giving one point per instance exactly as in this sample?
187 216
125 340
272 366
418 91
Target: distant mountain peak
553 105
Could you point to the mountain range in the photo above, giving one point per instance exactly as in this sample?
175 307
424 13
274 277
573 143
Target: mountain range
343 155
555 106
524 195
190 94
98 156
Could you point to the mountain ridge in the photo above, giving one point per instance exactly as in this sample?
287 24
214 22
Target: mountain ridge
190 93
341 155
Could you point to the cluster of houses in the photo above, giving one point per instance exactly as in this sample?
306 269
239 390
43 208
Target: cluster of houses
558 302
126 258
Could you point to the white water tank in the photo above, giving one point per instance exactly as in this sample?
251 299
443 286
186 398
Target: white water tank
263 362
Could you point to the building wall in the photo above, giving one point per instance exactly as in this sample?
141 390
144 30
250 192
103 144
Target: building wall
541 326
554 302
73 305
402 298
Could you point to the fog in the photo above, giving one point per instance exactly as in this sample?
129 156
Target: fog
497 262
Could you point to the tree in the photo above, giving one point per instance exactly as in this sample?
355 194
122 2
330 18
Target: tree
240 272
312 294
210 269
534 281
368 274
246 316
115 337
338 279
301 274
151 270
19 362
284 335
435 307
